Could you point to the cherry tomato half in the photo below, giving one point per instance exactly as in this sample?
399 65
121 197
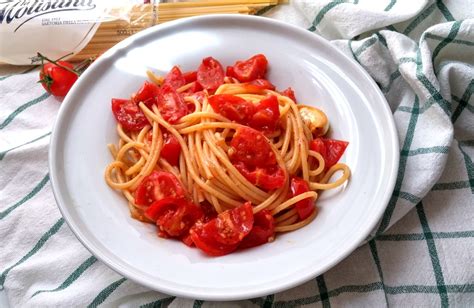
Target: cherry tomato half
175 78
158 185
171 105
128 114
263 230
232 107
210 74
223 234
331 150
266 115
304 207
250 69
57 80
171 149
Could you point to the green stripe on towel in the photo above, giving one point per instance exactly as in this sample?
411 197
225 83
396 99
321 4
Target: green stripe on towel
44 238
22 108
72 277
30 195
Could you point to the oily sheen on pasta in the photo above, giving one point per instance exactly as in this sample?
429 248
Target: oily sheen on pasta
221 160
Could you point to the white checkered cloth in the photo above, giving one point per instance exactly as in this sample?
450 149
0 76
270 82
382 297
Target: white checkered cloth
421 53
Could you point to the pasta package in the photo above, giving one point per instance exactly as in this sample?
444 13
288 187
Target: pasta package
82 29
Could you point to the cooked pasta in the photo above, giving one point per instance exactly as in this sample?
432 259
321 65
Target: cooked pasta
243 143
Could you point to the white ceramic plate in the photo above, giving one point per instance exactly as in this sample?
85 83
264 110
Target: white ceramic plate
320 75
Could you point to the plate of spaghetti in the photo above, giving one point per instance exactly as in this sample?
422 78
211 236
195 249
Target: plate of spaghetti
223 157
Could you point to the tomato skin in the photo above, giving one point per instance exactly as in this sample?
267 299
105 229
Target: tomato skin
267 114
262 84
257 86
128 114
250 69
304 207
229 71
232 107
146 94
210 74
318 145
187 240
253 157
268 178
156 186
207 243
288 92
57 80
335 149
162 206
174 217
263 230
208 210
171 105
250 147
195 87
175 78
191 107
171 149
223 234
330 149
190 76
233 225
179 223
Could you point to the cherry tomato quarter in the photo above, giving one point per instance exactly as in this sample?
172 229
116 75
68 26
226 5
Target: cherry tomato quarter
304 207
174 217
156 186
171 105
147 94
232 107
252 148
330 149
263 230
175 78
210 74
171 149
288 92
250 69
128 114
223 234
268 178
267 115
190 76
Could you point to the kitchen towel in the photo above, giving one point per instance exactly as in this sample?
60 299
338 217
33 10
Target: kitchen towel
420 53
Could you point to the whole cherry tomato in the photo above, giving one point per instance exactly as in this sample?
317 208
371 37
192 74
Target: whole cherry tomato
56 79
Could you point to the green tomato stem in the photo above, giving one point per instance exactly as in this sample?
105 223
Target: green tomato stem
56 63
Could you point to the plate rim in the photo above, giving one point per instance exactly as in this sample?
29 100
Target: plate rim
130 273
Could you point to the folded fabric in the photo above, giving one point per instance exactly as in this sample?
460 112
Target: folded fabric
420 53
